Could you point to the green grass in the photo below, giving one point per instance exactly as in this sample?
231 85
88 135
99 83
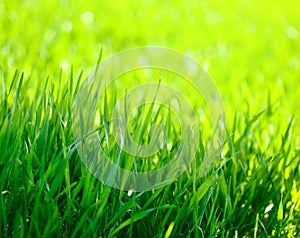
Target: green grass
252 52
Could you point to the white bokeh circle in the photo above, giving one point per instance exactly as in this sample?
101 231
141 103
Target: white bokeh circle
84 114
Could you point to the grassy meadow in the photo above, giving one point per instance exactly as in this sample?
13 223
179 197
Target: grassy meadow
251 49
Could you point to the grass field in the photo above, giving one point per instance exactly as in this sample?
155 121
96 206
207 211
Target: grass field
252 51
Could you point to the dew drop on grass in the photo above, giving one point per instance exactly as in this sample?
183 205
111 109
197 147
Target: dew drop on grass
130 192
269 208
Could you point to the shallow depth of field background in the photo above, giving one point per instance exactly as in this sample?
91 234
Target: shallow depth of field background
250 48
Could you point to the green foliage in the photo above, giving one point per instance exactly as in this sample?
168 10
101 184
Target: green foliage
252 51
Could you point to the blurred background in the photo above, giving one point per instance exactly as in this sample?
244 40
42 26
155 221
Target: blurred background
250 48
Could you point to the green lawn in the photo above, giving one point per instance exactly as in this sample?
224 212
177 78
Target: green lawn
251 49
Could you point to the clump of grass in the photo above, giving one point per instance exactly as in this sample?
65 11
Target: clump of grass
47 191
250 48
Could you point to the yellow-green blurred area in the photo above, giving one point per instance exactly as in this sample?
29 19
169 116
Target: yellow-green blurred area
250 48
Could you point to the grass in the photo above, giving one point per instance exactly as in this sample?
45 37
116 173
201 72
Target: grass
250 49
